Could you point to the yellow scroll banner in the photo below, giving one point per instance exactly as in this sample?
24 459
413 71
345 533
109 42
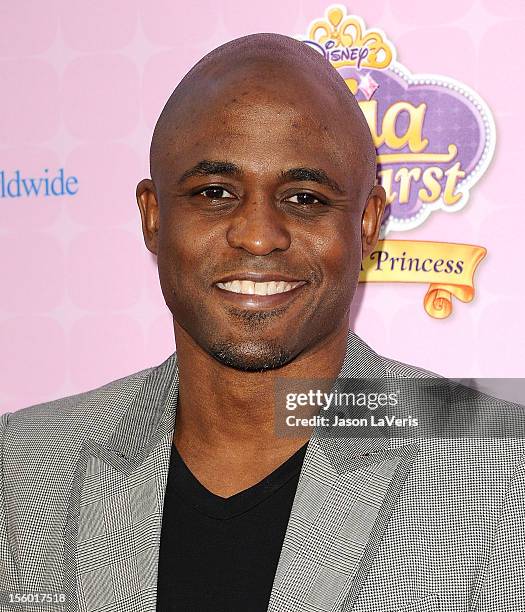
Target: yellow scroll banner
447 267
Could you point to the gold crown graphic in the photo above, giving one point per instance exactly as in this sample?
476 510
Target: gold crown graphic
350 31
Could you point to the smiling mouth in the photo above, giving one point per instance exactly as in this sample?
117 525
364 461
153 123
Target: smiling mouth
248 287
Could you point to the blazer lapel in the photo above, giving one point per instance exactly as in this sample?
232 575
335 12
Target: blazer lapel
345 496
115 514
336 525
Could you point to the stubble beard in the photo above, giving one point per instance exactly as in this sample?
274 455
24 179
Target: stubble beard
252 355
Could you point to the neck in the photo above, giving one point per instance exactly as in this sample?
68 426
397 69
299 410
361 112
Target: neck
222 408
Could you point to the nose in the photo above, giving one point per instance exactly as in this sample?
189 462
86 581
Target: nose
257 227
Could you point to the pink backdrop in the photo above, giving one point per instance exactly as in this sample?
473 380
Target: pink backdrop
82 85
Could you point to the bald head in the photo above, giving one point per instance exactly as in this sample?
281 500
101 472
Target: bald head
267 69
263 173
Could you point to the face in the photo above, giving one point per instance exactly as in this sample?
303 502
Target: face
259 214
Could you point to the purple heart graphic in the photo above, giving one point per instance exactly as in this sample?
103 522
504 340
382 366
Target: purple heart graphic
456 127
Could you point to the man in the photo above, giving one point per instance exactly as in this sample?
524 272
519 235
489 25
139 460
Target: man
170 489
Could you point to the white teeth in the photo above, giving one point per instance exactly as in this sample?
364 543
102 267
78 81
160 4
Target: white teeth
247 287
250 288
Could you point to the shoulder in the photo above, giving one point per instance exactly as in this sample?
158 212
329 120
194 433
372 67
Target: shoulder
78 405
398 369
69 420
460 419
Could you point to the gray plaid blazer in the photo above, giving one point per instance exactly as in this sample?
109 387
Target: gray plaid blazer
377 525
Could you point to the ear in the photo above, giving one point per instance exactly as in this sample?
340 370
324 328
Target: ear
149 212
371 221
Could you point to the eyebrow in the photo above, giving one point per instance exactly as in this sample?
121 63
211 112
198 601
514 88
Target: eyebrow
207 167
314 175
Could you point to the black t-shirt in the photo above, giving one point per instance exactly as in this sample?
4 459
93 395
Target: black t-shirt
220 554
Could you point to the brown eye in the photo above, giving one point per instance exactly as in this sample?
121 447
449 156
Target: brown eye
215 193
305 199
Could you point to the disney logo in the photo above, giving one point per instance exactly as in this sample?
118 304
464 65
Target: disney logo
339 54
